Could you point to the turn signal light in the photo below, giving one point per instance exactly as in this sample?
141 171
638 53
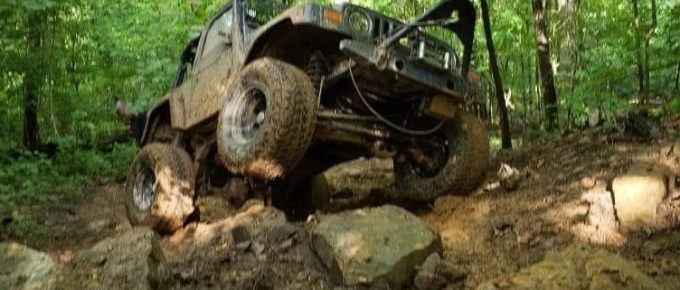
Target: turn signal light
333 15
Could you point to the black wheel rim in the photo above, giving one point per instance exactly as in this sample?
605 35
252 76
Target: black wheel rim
245 116
430 159
144 189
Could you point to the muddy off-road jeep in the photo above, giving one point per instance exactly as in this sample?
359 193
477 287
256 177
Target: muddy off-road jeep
272 97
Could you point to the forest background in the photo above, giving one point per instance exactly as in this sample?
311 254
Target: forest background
552 67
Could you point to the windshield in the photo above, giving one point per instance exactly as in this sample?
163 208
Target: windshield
266 9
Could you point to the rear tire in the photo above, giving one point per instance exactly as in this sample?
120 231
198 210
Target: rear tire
465 167
160 188
267 121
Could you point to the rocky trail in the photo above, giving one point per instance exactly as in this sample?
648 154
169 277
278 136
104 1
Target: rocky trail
587 211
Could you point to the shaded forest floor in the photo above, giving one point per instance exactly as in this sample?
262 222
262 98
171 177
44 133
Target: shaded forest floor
490 235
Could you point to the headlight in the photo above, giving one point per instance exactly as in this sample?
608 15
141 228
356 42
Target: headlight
359 22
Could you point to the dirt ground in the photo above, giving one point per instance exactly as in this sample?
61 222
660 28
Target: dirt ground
490 234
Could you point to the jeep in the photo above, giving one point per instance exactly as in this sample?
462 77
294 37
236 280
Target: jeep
272 97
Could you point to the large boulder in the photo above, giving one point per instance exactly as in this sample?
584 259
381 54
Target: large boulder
637 196
22 268
581 267
379 246
131 260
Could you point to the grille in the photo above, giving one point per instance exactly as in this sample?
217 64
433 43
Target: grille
382 27
429 51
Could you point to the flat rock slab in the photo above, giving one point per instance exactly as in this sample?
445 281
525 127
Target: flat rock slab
637 196
130 260
378 246
581 267
22 268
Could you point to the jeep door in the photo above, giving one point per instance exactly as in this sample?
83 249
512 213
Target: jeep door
213 68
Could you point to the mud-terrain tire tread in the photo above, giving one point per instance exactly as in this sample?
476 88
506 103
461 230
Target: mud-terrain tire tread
174 197
289 127
465 169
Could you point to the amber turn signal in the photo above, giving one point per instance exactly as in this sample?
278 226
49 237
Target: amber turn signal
333 15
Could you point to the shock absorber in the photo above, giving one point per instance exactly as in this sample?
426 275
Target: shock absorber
316 69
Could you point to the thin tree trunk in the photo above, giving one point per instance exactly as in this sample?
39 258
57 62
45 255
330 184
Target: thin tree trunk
568 11
577 58
638 51
545 66
677 78
31 136
648 37
497 81
525 93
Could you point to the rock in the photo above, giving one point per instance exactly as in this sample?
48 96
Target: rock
449 273
99 225
637 196
257 248
22 268
240 234
282 233
600 225
524 239
510 177
581 267
287 244
492 186
594 118
131 260
588 182
379 246
426 278
676 148
435 273
237 191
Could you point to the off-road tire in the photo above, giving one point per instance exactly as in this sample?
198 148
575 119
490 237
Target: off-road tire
468 159
288 127
171 200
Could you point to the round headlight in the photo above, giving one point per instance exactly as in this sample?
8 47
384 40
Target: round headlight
359 22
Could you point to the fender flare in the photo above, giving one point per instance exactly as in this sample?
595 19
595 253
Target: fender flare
152 115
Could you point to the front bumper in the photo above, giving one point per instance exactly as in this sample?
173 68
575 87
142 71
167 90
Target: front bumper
399 63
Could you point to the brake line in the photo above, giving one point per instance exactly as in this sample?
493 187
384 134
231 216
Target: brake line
385 120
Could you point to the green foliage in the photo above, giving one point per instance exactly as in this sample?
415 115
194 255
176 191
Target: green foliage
31 178
674 106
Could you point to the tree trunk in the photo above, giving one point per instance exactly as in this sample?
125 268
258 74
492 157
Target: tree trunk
568 11
31 138
677 78
497 81
545 66
638 51
648 37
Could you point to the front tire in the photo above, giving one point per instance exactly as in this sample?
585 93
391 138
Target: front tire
267 121
467 158
160 188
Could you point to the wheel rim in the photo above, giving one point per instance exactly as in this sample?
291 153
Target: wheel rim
428 161
144 189
245 116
